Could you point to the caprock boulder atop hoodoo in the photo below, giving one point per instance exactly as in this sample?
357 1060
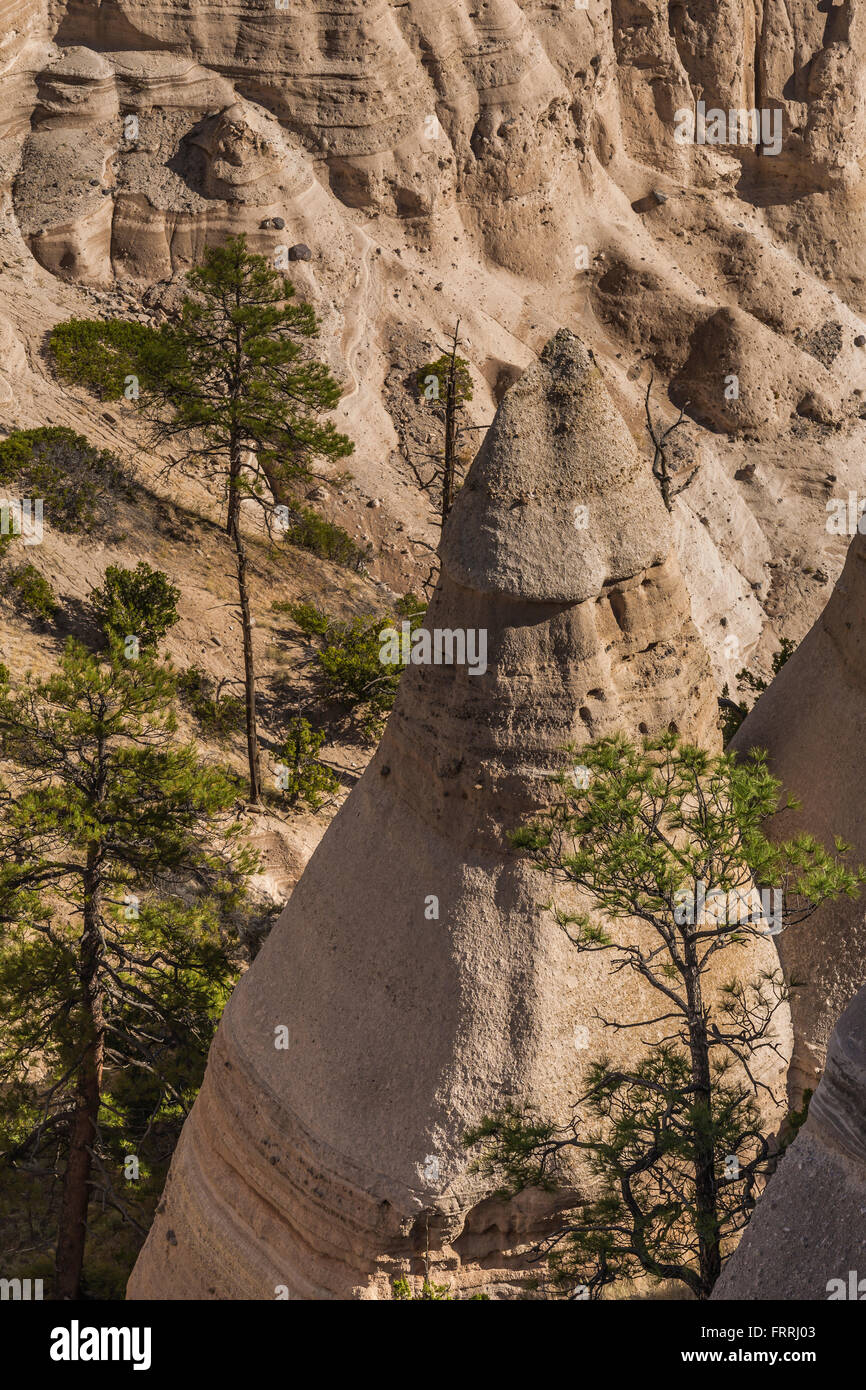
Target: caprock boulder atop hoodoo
419 982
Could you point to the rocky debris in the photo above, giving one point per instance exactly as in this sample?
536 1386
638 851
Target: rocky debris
300 252
807 1233
825 343
420 982
812 721
163 164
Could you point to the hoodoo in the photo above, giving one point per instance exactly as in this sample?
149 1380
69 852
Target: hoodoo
807 1237
415 976
812 721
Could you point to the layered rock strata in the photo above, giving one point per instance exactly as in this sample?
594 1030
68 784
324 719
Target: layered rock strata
513 167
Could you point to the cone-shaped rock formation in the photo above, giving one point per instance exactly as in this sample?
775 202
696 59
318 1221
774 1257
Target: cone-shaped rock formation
808 1235
419 982
812 720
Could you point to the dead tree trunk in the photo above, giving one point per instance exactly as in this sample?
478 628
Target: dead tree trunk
661 468
234 530
449 467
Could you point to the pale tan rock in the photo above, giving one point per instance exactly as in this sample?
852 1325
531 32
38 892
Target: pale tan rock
78 248
488 146
331 1167
811 721
168 81
739 377
808 1234
78 89
24 44
248 158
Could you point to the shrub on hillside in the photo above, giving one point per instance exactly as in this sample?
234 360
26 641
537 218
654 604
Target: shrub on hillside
30 592
302 776
347 656
101 355
74 480
139 602
219 715
312 532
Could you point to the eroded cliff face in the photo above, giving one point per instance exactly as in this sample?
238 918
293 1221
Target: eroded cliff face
805 1240
500 112
334 1166
516 167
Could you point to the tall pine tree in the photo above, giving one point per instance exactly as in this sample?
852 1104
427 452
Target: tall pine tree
236 386
118 863
232 385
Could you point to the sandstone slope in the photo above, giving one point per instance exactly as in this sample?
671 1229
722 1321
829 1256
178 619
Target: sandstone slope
514 166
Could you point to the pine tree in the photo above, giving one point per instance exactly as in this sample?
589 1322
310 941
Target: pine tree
139 603
238 387
673 837
233 386
301 773
117 866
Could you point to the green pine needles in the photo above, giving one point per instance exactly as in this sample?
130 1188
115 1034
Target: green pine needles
234 391
665 1157
120 862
